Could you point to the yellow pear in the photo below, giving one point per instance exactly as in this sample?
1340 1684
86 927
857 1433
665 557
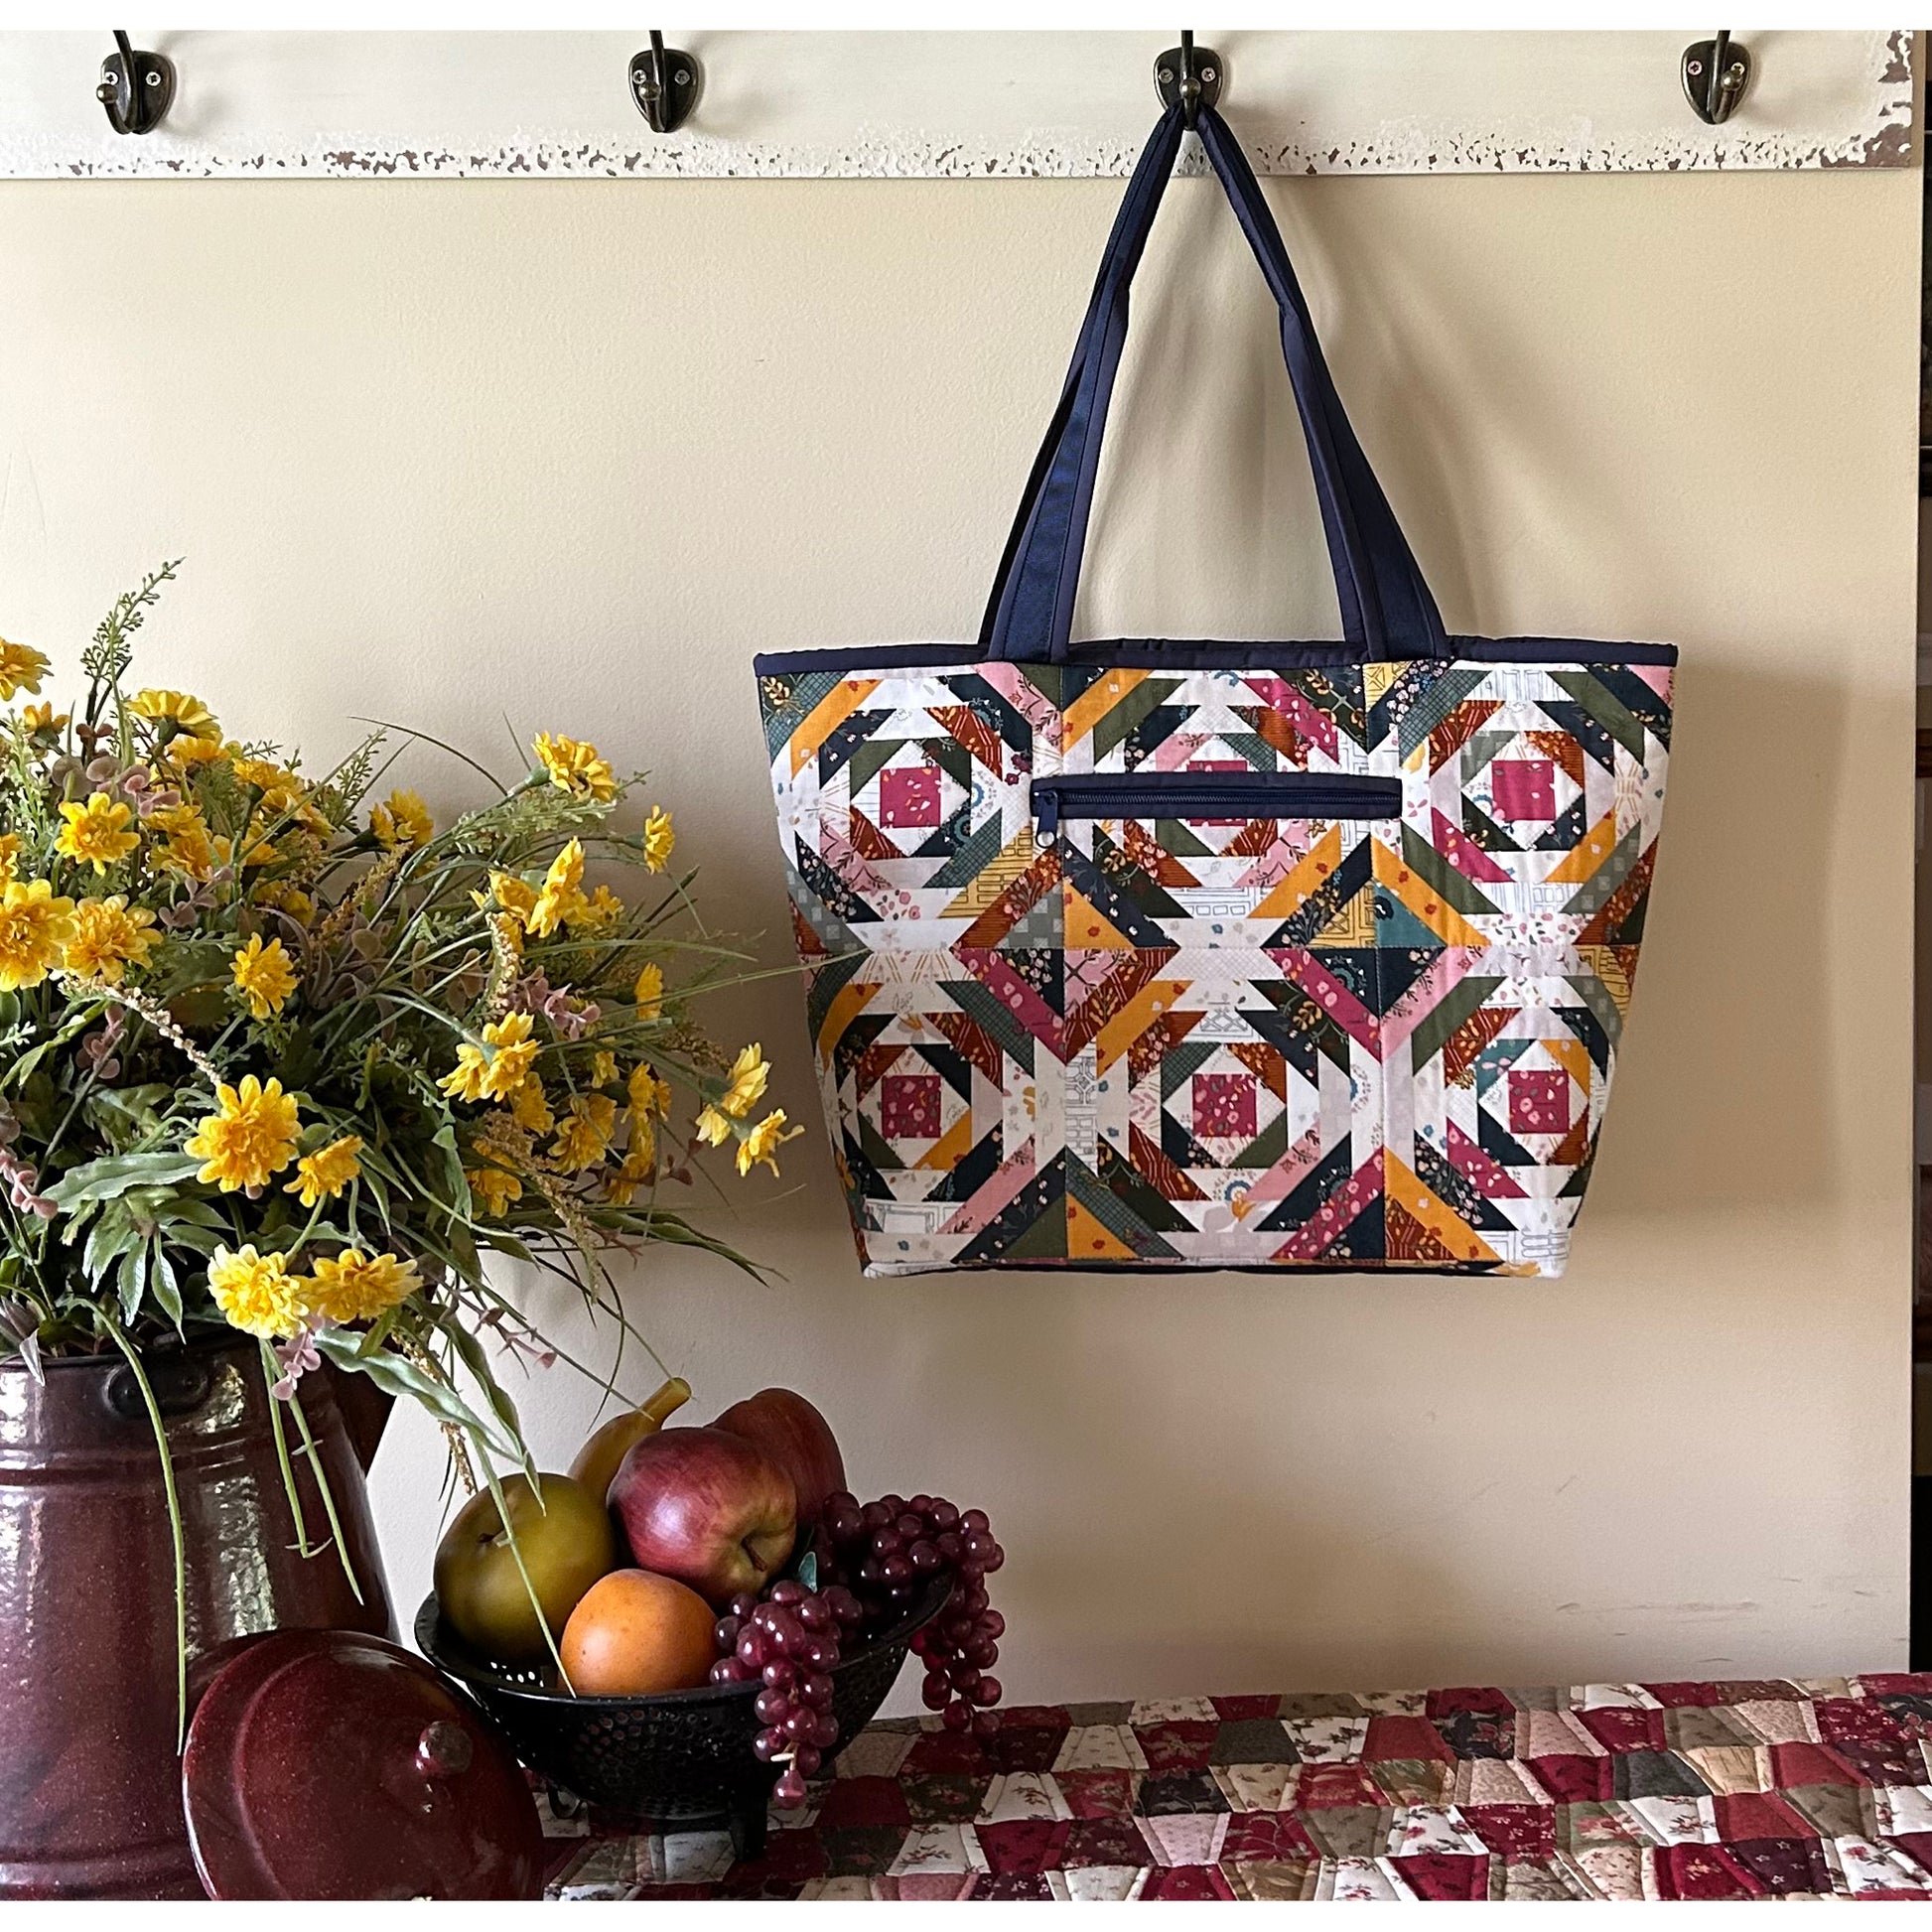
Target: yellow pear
596 1461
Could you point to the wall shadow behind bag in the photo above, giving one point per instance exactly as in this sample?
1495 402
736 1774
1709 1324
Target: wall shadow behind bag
1149 954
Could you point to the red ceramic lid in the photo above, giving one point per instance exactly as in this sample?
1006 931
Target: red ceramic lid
328 1765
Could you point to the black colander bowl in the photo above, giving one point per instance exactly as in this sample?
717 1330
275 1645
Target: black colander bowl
683 1758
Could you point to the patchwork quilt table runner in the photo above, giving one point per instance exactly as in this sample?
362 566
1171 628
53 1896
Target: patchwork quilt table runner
1799 1788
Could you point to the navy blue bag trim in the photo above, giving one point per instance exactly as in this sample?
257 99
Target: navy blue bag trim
1134 653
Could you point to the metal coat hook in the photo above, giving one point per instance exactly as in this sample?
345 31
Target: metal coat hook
136 88
1190 75
664 83
1715 74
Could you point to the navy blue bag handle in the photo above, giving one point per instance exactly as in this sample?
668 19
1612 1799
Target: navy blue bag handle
1386 606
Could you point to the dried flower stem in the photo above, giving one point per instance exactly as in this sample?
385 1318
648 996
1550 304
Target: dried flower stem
153 1012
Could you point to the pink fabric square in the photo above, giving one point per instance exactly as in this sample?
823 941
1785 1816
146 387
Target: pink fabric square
909 797
909 1106
1524 787
1539 1100
1224 1106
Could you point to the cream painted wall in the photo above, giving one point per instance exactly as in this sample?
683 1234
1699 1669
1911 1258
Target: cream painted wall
572 453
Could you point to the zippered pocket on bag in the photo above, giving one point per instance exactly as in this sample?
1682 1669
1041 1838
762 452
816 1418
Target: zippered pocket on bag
1225 795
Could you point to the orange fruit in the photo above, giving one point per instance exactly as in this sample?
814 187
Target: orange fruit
634 1633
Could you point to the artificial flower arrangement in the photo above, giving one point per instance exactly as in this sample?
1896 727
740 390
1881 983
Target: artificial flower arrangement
278 1057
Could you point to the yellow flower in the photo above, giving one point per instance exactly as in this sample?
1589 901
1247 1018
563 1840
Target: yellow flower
517 897
658 839
9 855
603 907
186 752
586 1131
575 766
257 1293
21 669
643 1090
562 895
713 1128
281 789
636 1169
405 821
189 847
43 718
498 1074
250 1137
603 1068
109 936
288 899
650 993
323 1175
530 1107
185 715
264 976
763 1142
34 928
750 1071
494 1188
356 1286
95 833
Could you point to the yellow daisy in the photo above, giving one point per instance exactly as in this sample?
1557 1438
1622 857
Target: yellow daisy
34 928
763 1142
37 718
575 766
288 899
659 837
323 1175
604 907
495 1188
713 1128
517 896
356 1286
562 894
9 855
250 1137
281 789
264 975
109 936
603 1067
21 669
183 715
404 821
498 1074
750 1071
635 1171
530 1107
189 847
256 1292
187 752
95 833
650 993
585 1131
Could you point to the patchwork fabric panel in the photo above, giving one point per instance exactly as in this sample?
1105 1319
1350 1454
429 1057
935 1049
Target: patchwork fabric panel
1067 1011
1757 1789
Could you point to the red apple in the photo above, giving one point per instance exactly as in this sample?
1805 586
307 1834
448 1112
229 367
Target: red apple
706 1507
797 1438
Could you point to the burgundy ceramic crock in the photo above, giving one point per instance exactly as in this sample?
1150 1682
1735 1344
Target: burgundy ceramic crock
89 1772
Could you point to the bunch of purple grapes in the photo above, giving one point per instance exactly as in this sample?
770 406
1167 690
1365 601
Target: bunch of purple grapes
790 1640
884 1552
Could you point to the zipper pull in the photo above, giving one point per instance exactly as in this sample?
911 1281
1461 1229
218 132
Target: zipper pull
1046 815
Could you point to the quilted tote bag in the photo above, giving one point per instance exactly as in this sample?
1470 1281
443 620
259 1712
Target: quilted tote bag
1138 954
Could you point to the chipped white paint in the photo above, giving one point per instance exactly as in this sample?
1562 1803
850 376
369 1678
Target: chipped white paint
269 105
